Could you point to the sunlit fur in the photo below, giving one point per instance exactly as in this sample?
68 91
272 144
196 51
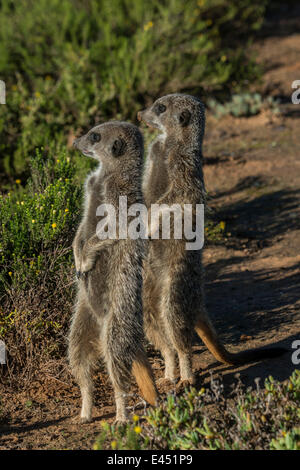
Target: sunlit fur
108 320
173 293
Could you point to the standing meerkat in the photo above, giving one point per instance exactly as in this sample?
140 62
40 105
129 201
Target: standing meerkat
108 319
173 290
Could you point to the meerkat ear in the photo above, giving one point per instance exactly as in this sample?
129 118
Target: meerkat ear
184 117
119 147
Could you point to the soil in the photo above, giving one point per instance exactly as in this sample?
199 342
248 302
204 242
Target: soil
252 172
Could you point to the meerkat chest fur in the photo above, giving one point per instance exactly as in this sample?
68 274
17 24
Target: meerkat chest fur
185 186
93 198
155 178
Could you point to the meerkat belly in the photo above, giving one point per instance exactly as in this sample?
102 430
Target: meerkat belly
97 284
126 280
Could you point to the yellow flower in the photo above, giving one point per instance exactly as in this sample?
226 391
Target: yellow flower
58 160
148 25
222 225
37 94
10 273
113 445
18 181
22 203
135 418
223 58
33 221
66 210
53 225
138 429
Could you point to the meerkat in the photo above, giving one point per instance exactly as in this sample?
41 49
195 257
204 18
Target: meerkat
173 289
108 319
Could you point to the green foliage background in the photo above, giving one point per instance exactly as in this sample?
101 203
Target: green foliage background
69 63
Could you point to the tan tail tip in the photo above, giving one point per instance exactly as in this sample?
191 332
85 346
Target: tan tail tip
144 379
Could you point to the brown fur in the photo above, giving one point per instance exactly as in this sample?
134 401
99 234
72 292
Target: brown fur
173 293
144 378
108 319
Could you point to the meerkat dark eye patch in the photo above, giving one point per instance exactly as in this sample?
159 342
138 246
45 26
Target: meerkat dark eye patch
159 109
184 117
119 147
94 137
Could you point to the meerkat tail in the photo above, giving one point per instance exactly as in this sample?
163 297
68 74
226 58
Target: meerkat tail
209 336
142 372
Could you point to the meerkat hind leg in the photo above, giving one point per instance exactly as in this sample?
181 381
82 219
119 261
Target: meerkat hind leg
121 412
178 334
83 354
161 342
186 373
119 377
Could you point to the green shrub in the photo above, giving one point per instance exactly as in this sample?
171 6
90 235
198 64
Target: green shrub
68 64
265 418
38 222
244 104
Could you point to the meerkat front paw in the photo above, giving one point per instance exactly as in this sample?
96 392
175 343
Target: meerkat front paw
87 265
78 274
81 275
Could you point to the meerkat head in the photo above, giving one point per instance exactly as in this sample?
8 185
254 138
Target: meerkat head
175 114
112 143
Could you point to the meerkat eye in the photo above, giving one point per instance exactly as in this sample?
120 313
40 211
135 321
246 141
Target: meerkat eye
95 137
119 147
159 109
